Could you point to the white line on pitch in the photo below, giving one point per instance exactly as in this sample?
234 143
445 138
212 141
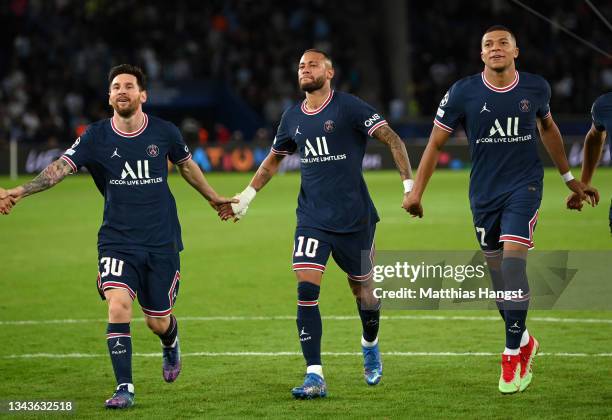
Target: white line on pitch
329 317
290 354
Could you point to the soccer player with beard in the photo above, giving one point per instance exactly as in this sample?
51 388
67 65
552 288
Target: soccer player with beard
335 214
500 109
140 237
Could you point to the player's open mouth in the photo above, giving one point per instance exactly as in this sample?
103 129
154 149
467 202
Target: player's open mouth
497 57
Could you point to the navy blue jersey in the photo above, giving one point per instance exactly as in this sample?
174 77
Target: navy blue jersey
501 129
331 142
131 172
601 113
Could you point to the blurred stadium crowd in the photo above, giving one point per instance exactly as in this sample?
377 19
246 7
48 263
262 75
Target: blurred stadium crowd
55 54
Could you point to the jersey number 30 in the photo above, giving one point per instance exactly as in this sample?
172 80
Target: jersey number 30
112 266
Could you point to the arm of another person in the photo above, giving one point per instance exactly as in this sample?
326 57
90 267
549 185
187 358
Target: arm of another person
437 140
553 142
593 146
191 172
265 172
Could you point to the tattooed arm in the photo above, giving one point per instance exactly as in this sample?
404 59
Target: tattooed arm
386 135
266 171
50 176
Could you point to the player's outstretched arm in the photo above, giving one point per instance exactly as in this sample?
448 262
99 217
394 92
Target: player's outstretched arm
191 172
400 156
593 146
49 177
437 139
551 137
264 174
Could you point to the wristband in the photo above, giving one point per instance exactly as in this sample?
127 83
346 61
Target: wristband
567 177
249 193
408 184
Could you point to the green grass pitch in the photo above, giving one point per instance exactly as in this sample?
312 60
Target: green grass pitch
48 271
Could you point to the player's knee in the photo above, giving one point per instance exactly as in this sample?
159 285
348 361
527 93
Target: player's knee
310 276
158 325
356 287
119 310
308 292
363 292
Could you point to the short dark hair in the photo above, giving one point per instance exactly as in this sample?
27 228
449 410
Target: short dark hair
323 53
135 71
500 28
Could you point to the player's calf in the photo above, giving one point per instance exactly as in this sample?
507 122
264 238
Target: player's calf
309 325
119 340
368 307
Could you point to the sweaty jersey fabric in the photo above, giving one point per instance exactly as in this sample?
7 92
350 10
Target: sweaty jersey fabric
131 172
331 142
601 112
501 126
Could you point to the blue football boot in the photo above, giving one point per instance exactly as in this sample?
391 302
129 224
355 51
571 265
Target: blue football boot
314 387
122 398
372 365
172 362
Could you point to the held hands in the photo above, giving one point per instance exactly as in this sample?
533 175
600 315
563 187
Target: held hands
238 206
412 204
8 199
222 205
581 192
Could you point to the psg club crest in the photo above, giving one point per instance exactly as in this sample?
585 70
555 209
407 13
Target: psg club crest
153 150
525 105
329 126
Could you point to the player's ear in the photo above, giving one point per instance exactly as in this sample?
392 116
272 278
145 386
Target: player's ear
330 73
516 52
482 56
143 96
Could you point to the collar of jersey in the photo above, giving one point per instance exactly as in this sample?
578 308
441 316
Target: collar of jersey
138 132
501 89
319 109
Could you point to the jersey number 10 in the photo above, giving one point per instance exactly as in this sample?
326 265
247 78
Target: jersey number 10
311 247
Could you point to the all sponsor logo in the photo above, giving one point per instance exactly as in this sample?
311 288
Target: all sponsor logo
511 127
142 170
320 150
136 174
